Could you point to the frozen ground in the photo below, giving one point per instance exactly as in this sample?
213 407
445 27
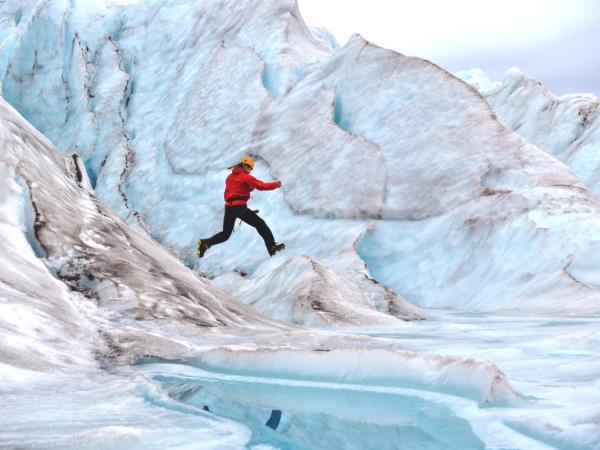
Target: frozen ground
96 410
217 402
553 364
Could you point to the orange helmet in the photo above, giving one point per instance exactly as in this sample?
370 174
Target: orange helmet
248 161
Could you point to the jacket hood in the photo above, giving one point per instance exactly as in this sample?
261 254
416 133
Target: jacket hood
237 170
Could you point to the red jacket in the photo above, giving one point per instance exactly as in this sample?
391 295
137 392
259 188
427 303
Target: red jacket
239 184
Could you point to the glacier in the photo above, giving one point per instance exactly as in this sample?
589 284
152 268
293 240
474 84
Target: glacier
566 126
440 283
155 133
85 296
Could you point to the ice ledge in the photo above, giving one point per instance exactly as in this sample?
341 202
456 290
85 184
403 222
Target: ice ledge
474 379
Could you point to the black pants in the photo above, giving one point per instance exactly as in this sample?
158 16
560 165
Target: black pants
248 216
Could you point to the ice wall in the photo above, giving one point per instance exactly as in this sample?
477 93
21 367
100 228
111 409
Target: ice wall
567 126
87 251
385 159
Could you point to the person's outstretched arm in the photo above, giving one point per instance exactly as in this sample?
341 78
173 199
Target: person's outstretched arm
261 185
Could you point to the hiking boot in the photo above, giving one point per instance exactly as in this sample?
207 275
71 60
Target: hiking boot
276 248
202 247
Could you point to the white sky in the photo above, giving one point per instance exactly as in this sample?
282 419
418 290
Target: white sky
555 41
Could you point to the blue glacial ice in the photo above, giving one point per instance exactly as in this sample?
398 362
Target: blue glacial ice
551 362
148 109
440 283
566 126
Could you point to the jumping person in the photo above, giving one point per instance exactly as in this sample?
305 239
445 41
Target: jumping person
238 186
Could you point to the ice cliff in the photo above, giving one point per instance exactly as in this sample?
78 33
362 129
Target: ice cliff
385 159
567 126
